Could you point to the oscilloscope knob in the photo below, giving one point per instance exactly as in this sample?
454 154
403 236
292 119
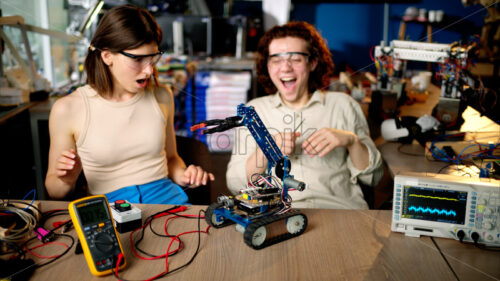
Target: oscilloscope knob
488 225
488 211
489 237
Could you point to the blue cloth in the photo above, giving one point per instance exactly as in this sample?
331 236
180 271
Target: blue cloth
162 191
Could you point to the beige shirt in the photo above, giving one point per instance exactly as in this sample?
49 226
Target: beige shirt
121 143
332 180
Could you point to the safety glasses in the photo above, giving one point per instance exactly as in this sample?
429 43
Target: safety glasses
141 61
292 58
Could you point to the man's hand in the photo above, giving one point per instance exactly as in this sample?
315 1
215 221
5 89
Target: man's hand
286 141
325 140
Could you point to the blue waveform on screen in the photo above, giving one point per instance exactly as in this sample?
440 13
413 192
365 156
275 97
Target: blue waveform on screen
432 211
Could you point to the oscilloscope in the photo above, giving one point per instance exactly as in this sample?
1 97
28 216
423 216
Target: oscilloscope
462 208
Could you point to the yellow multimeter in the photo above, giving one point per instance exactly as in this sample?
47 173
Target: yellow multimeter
93 222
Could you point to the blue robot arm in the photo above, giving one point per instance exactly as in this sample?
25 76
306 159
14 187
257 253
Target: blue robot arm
246 116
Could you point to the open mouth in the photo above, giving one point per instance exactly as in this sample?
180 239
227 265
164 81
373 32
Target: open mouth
288 82
142 82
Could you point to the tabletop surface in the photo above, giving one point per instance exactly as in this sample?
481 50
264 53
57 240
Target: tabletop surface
337 245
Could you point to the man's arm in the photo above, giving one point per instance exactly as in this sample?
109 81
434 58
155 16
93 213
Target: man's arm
326 139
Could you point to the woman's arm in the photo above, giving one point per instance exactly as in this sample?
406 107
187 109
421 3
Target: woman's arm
64 165
191 176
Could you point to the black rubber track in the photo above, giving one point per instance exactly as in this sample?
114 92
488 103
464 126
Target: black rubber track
250 230
209 213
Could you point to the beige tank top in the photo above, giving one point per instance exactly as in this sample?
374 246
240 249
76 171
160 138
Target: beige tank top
121 143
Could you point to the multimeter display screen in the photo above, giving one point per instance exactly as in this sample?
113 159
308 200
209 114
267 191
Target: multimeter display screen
93 213
439 205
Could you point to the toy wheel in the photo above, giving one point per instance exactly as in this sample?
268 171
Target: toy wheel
259 236
295 224
211 217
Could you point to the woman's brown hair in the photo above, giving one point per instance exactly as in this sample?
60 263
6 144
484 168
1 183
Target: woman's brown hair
319 78
122 28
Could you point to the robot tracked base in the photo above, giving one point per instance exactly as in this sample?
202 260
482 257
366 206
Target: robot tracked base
261 232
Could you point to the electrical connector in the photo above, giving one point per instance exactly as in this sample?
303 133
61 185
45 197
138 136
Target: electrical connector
43 235
67 227
175 209
461 235
475 237
179 209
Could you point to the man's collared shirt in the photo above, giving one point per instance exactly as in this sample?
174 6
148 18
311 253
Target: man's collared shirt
332 180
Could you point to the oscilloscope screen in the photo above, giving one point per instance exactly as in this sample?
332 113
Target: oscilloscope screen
437 205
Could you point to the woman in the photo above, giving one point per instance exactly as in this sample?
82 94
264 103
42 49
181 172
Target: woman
118 128
324 134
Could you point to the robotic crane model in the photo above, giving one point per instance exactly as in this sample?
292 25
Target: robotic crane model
263 208
453 61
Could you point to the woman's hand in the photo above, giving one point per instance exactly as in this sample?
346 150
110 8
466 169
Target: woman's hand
195 176
68 166
325 140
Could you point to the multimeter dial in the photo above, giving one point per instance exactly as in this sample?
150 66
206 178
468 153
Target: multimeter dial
104 243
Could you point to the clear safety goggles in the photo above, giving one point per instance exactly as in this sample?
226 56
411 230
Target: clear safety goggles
141 61
292 58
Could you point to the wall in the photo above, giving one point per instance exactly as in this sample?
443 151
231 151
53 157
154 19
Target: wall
352 29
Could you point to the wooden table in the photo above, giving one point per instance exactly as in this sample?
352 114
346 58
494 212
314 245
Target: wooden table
337 245
469 262
409 157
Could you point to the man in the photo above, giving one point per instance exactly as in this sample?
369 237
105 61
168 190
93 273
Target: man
324 134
